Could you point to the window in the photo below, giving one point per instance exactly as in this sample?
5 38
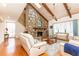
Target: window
64 27
69 28
56 28
11 28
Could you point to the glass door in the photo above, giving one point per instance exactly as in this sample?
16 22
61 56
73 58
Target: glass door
11 28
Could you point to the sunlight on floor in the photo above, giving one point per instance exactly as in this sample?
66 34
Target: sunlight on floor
11 45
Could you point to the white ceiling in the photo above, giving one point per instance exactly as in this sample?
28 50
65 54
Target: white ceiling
11 10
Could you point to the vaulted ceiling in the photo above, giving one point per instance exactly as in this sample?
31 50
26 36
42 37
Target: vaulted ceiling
48 11
57 10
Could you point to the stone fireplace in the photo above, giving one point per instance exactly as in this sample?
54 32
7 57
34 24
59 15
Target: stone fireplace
39 31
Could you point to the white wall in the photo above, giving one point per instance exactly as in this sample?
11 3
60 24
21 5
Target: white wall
2 30
19 28
50 30
74 17
78 27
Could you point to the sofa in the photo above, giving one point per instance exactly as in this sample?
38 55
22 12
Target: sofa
70 48
32 46
62 36
62 50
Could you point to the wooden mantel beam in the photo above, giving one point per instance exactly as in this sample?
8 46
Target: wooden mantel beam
38 12
68 11
47 8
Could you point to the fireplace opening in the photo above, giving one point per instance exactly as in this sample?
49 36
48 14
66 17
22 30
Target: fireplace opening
39 34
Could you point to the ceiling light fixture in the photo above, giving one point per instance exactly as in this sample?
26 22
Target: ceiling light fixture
38 5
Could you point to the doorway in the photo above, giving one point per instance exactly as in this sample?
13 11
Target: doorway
11 28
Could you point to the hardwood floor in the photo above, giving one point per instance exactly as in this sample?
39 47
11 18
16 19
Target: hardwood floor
12 47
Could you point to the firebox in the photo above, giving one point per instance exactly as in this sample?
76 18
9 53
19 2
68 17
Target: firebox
39 34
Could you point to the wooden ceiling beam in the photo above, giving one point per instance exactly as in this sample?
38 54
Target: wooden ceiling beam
38 12
68 11
47 8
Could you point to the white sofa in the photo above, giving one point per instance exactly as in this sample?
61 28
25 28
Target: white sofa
32 46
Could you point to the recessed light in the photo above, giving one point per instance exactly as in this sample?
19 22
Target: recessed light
38 5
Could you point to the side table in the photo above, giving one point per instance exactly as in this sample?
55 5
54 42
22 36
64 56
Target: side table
6 36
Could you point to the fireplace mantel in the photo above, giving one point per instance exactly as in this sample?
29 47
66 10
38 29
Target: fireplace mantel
37 28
